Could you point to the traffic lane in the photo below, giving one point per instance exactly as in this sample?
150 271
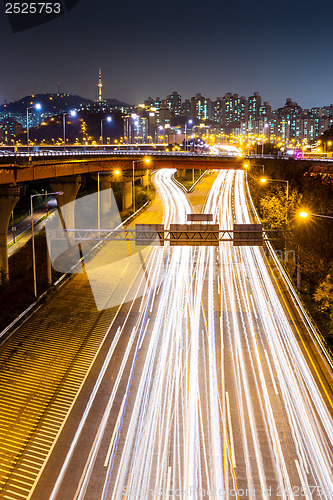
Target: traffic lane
307 339
125 322
305 411
53 467
254 440
307 344
174 434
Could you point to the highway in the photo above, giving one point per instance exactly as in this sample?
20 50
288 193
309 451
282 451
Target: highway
210 385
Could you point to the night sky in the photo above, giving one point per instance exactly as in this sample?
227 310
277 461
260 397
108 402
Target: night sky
150 48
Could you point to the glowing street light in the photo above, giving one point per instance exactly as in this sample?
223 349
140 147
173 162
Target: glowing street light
189 122
108 119
38 107
247 166
305 214
263 180
73 114
161 129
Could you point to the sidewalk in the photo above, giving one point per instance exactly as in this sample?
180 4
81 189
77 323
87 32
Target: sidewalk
23 229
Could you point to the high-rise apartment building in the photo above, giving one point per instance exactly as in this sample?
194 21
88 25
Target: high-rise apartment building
217 107
174 103
186 108
234 109
254 105
201 108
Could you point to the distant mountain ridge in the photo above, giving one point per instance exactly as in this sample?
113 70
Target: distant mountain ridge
54 103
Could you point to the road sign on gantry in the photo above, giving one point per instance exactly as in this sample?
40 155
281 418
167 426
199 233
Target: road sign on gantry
199 217
194 234
247 235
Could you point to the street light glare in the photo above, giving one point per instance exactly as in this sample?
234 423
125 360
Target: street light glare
303 214
73 113
38 106
263 180
147 160
109 119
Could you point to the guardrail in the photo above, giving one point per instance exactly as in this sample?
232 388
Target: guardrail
122 153
115 153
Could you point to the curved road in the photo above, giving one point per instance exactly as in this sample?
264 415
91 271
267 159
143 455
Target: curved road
206 390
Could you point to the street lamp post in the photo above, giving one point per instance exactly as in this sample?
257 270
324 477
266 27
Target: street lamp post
99 200
263 138
189 122
146 160
33 235
108 119
247 166
127 130
160 127
304 215
72 114
263 180
38 107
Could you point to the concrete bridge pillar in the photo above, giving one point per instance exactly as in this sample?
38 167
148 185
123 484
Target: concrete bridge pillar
145 179
127 196
9 196
70 186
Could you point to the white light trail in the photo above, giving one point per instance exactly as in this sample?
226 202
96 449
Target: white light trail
224 399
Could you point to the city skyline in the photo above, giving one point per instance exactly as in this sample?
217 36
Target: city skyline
280 51
166 250
157 95
165 97
230 114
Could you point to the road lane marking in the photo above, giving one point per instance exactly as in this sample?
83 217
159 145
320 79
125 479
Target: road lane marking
168 483
230 432
303 482
144 333
271 372
115 430
253 307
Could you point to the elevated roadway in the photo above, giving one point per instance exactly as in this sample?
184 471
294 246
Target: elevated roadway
24 167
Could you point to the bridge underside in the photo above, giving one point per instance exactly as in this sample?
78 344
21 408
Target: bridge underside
36 170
